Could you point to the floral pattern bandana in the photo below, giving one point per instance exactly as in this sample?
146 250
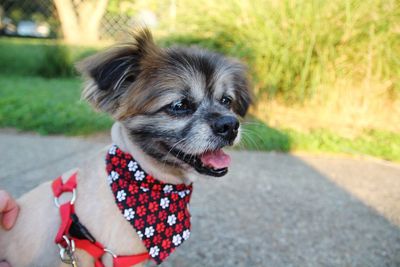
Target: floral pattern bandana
157 211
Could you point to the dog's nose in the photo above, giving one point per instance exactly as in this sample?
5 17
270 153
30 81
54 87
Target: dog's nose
226 126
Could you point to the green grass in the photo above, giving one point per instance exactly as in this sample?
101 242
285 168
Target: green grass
47 106
380 144
53 106
258 136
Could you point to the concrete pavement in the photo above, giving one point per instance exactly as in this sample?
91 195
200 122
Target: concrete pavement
271 209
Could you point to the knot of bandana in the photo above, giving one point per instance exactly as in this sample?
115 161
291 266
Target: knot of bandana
156 210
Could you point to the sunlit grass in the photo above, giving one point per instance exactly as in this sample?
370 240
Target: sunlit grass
380 144
297 49
330 65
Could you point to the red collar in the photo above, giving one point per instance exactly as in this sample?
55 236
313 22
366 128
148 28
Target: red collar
157 211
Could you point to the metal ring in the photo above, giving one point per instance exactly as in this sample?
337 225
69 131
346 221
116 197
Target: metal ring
73 198
110 252
70 243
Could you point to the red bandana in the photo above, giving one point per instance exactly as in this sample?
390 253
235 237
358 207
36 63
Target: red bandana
157 211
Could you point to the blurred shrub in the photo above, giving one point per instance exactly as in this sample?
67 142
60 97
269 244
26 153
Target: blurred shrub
46 58
56 62
20 56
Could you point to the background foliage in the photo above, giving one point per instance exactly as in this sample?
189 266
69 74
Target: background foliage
326 73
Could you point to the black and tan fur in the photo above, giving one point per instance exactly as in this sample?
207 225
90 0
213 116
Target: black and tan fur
136 82
170 106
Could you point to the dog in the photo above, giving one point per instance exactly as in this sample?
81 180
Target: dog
174 110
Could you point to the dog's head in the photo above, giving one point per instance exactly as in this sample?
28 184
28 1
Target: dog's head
180 105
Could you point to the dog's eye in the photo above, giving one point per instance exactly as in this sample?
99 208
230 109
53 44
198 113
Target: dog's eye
226 101
181 107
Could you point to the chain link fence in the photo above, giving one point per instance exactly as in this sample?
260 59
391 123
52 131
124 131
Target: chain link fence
113 26
39 18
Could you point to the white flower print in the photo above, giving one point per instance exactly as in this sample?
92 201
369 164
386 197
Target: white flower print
140 234
132 166
144 189
121 195
167 188
164 202
171 219
154 251
176 239
129 214
149 231
182 194
113 176
112 150
139 175
186 234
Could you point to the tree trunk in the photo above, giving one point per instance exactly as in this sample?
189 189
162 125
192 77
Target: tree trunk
68 19
80 21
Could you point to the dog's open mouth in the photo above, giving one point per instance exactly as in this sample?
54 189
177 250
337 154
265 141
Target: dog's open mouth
213 163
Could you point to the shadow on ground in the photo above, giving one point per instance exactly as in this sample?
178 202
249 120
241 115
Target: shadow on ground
271 209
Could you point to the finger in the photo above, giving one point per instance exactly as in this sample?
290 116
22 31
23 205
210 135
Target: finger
10 217
9 210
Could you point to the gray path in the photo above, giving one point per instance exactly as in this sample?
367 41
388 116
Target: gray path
271 210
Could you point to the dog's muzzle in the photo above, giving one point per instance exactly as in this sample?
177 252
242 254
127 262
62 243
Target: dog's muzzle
226 127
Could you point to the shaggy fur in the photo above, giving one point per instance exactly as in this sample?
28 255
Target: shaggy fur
171 106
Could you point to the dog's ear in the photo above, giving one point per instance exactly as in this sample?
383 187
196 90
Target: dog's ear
109 74
243 93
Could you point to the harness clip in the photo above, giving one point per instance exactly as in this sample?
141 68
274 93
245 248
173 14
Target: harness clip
67 253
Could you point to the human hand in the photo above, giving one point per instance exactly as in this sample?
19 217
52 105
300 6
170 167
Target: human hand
8 211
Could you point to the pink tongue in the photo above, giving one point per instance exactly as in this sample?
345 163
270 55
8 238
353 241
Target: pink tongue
216 159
